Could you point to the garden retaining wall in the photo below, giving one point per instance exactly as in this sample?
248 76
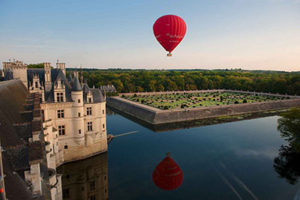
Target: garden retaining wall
156 116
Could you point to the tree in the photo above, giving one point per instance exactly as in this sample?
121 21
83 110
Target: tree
118 85
151 85
161 80
40 65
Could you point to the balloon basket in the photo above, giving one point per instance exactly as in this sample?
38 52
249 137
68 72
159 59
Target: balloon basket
169 54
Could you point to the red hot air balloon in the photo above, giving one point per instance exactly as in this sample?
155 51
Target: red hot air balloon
169 30
167 175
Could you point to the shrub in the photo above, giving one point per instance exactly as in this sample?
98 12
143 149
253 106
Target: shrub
245 101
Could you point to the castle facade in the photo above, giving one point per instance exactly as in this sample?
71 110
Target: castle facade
76 112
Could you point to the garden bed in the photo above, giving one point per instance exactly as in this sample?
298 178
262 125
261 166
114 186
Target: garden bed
200 105
178 100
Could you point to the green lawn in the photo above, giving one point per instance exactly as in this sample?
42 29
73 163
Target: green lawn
194 100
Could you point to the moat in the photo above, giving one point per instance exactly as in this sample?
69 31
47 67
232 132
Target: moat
232 160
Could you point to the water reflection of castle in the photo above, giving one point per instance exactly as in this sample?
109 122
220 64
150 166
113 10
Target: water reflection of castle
86 179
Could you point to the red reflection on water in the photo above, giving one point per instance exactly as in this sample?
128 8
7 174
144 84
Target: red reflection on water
167 175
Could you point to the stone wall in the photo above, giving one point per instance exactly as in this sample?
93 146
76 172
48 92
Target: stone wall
170 116
156 116
139 111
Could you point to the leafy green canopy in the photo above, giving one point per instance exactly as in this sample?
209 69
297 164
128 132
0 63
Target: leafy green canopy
176 80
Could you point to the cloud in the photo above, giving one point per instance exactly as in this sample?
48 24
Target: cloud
268 153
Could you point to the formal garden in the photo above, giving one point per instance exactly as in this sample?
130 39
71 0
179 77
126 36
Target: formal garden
196 100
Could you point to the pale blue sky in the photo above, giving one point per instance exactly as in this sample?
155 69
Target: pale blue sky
248 34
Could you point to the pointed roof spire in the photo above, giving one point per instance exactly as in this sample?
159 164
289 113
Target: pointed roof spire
76 85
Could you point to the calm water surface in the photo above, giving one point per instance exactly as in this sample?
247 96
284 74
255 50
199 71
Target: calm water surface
225 161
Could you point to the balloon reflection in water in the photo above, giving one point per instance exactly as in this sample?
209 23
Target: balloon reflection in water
167 175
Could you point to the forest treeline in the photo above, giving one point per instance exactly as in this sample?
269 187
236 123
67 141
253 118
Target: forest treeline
174 80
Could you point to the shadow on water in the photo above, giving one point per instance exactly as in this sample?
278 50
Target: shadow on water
287 163
194 123
110 111
86 179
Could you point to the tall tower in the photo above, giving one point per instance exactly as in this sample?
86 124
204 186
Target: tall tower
78 112
61 66
18 70
48 83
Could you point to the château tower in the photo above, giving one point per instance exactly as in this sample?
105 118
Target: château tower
16 70
61 66
48 84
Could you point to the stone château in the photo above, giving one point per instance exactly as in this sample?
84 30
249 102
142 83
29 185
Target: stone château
73 118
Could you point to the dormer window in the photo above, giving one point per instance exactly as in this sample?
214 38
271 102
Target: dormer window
59 97
90 100
36 84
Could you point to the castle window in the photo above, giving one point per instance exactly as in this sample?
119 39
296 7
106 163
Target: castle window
103 125
60 114
102 111
61 130
89 111
90 126
90 100
92 185
36 84
78 100
79 114
66 146
43 115
79 131
59 97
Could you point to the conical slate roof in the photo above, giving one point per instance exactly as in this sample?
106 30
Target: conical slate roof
76 85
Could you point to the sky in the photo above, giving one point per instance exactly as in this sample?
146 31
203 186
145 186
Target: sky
247 34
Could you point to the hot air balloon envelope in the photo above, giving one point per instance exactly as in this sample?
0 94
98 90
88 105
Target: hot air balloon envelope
167 175
169 30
